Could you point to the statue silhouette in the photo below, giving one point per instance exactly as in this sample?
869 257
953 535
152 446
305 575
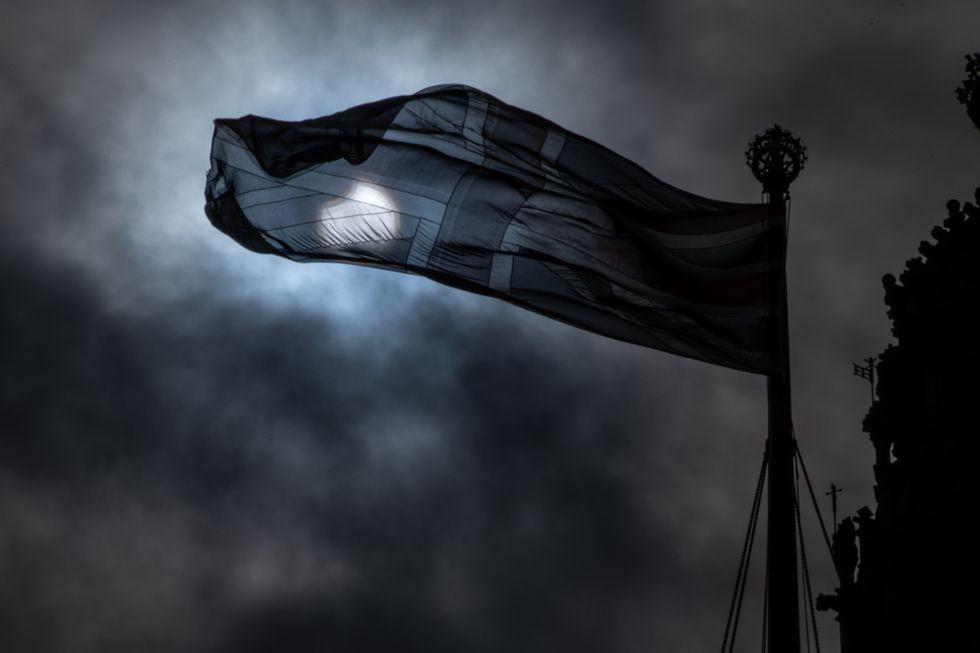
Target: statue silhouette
845 552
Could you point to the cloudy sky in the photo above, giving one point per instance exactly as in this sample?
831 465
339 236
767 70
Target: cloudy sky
207 450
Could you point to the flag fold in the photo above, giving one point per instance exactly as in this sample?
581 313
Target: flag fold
455 185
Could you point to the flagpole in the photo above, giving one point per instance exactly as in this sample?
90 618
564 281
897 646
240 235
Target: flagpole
776 158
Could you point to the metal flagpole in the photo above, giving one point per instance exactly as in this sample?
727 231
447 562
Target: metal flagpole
776 157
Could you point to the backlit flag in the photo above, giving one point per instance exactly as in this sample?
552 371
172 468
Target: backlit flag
455 185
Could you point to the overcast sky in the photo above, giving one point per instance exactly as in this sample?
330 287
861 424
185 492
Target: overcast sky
207 450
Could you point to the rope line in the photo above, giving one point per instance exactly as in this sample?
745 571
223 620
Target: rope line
803 573
735 607
816 505
754 523
807 586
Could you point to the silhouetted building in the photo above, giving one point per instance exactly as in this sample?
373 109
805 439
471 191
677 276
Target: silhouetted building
918 568
918 555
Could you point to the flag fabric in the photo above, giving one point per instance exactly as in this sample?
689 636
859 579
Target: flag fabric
455 185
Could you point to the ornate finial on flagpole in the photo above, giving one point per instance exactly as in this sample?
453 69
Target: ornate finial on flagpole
776 158
969 93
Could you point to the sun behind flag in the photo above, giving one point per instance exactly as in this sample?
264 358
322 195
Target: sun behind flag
455 185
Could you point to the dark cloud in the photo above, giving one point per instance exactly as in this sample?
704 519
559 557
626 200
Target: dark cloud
352 625
427 473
